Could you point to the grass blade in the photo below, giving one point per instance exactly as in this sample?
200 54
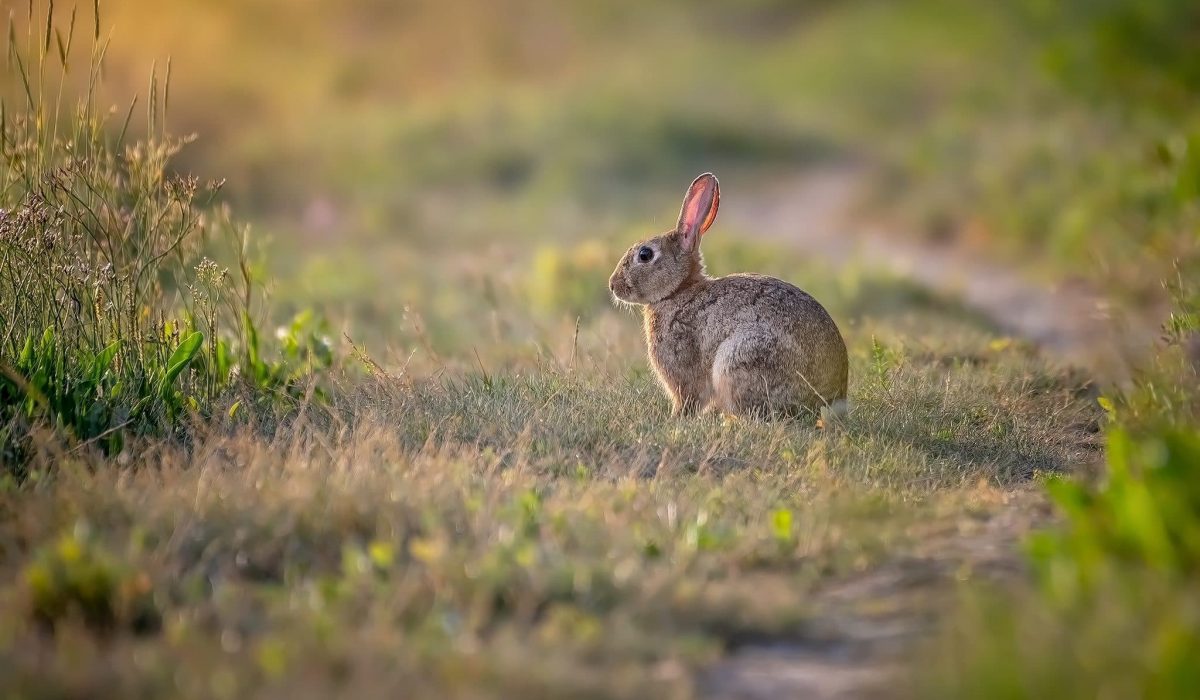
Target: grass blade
49 28
16 57
152 100
62 48
180 359
166 92
128 118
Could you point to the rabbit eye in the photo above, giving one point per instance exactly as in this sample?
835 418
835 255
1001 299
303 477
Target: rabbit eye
645 254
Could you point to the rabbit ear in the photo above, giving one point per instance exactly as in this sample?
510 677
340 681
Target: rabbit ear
699 209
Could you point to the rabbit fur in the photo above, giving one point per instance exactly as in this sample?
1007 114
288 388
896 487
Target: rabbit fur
747 345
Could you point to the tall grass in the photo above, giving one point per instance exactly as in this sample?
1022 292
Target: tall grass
114 319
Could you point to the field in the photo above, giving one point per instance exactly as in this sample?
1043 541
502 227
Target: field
331 399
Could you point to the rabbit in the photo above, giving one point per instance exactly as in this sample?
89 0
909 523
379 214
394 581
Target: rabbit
745 345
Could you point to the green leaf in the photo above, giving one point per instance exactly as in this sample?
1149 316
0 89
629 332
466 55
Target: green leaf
223 362
1120 453
101 362
48 342
26 357
1072 497
180 359
140 405
252 356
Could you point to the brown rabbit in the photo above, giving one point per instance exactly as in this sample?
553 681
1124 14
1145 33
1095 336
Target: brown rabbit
747 345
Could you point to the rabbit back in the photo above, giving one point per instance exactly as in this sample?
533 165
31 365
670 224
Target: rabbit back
747 344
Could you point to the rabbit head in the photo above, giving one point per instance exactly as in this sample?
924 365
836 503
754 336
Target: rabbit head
657 267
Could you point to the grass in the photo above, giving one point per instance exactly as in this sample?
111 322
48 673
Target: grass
543 532
114 319
1114 588
450 471
970 135
1114 585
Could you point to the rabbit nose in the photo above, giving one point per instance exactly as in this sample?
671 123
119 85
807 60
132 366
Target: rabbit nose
617 286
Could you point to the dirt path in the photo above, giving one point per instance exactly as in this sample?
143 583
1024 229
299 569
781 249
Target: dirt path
857 646
816 211
859 643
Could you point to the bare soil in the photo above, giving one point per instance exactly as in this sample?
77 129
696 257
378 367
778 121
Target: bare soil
862 640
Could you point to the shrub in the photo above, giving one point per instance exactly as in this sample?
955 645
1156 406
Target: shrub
1144 517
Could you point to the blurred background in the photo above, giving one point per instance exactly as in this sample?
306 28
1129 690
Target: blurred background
464 173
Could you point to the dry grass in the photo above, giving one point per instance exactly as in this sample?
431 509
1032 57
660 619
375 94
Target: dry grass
490 535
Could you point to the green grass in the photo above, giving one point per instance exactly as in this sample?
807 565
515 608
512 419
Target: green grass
115 320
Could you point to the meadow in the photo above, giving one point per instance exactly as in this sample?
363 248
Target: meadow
330 398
